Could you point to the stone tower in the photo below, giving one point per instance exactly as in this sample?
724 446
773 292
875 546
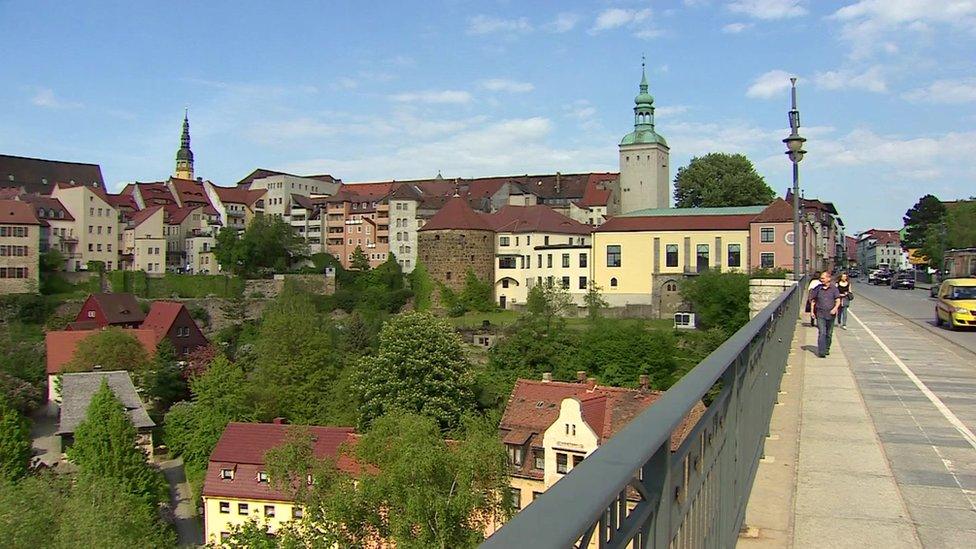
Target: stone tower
644 166
184 156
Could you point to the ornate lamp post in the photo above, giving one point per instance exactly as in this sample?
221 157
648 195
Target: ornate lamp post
794 146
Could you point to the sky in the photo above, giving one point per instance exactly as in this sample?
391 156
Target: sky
371 91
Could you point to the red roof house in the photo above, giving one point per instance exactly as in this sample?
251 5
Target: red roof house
457 215
535 219
61 345
113 309
171 320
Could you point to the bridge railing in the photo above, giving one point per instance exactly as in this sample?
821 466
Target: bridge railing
635 492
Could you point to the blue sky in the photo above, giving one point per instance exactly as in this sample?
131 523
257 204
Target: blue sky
398 90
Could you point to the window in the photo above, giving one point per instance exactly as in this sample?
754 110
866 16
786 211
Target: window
539 262
561 463
506 262
582 283
241 508
766 234
577 459
227 474
613 282
613 255
546 241
297 512
548 261
671 255
503 240
539 460
225 507
735 256
565 261
262 476
516 498
582 260
565 283
91 229
702 255
515 454
504 283
91 314
767 260
535 495
269 511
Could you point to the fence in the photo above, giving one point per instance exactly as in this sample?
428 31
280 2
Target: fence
635 492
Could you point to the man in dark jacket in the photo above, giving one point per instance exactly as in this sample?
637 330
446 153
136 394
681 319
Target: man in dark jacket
824 304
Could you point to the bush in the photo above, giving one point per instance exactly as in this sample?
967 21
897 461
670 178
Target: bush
777 273
179 285
26 308
720 300
422 286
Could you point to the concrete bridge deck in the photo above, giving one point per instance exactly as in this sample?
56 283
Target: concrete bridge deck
872 446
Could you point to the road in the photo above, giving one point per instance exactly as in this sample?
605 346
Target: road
188 524
920 391
916 306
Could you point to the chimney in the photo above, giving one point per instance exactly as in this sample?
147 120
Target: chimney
581 376
279 421
559 178
644 381
547 377
590 383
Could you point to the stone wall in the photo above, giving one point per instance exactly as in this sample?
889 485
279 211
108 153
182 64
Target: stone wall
270 288
763 291
449 254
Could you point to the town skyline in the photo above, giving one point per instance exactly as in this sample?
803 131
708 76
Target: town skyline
535 89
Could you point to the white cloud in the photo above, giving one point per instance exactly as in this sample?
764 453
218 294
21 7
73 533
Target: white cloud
564 22
433 96
648 34
505 85
345 83
871 80
769 84
484 24
769 9
949 91
736 28
45 97
618 17
670 111
867 25
918 156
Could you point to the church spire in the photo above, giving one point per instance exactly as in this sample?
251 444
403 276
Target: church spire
643 103
184 156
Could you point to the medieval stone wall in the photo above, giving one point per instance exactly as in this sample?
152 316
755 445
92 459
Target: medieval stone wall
449 254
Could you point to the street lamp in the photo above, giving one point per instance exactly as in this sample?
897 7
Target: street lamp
794 149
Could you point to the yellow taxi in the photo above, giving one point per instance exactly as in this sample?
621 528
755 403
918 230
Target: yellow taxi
956 305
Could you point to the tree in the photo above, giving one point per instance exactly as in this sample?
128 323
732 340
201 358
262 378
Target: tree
719 299
422 286
420 368
549 303
416 490
620 351
105 447
268 244
32 508
165 382
15 443
595 304
720 179
927 212
112 349
477 294
359 260
52 261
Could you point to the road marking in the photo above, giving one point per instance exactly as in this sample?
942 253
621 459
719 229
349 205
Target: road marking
936 401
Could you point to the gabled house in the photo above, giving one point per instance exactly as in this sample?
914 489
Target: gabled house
61 347
171 320
77 390
111 309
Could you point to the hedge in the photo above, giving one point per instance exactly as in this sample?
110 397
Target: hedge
169 285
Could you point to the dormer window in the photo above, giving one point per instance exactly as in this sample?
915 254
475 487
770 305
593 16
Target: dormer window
227 474
262 476
539 460
516 454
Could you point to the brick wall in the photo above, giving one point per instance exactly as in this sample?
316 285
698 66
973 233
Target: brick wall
449 254
763 291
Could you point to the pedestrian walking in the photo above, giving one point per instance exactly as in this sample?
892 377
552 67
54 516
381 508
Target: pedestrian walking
814 282
846 296
825 303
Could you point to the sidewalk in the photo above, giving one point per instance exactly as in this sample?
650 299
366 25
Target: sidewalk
825 481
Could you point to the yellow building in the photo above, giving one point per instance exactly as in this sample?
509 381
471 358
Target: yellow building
95 235
549 427
143 241
641 257
20 238
237 486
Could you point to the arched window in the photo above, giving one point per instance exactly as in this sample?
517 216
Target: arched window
613 282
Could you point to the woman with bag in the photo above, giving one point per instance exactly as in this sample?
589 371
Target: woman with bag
846 296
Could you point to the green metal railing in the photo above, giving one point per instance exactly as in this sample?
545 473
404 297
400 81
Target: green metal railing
635 492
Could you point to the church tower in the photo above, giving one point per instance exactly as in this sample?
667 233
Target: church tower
184 156
644 166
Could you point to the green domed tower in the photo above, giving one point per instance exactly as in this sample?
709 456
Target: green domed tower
184 156
644 158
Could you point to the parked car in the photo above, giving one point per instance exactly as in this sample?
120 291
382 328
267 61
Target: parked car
903 280
956 305
882 277
853 273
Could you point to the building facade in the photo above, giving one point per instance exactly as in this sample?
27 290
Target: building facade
455 241
20 242
96 226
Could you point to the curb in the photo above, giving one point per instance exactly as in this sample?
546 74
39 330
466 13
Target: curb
931 329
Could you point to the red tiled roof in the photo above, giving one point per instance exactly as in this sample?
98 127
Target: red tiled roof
138 217
190 192
456 214
119 201
778 211
595 193
242 447
15 211
161 316
176 215
118 308
361 192
677 223
239 195
61 345
525 219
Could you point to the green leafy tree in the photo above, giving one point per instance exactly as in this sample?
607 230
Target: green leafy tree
620 351
477 294
21 395
549 303
359 260
720 300
165 380
31 510
15 443
595 304
422 286
419 367
961 224
52 261
927 212
105 446
112 349
720 179
268 244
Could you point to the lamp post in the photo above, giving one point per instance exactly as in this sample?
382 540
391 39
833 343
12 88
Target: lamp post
794 149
